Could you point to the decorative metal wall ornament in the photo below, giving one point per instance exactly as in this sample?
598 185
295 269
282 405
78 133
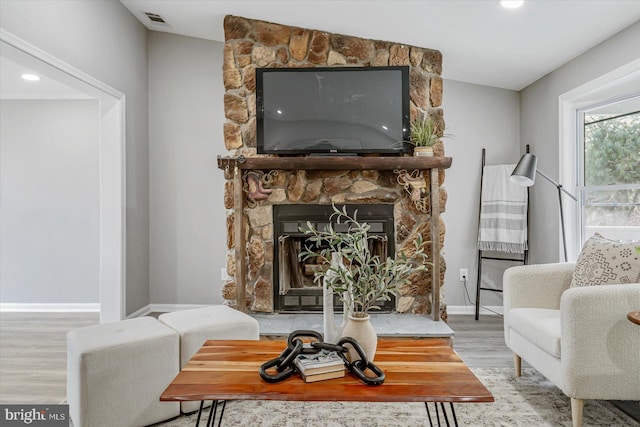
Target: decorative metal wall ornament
256 185
414 183
268 178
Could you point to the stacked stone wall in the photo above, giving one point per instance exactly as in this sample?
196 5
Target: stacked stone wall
252 44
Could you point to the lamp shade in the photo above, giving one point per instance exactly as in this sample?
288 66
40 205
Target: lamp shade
525 171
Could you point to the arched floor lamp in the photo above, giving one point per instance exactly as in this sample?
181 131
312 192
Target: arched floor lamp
525 174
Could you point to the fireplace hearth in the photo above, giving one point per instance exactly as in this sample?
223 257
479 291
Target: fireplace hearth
294 287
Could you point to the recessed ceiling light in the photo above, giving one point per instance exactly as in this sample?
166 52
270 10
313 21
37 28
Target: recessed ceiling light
511 4
31 77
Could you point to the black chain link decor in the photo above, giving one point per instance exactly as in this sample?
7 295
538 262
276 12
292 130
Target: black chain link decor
284 366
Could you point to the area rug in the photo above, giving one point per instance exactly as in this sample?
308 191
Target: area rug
530 400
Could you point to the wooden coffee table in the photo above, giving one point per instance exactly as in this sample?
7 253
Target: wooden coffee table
416 370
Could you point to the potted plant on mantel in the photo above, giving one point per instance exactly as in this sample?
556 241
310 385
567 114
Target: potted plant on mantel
425 133
362 279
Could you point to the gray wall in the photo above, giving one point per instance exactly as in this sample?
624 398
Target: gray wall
187 228
186 114
187 221
539 124
187 217
477 117
104 40
49 204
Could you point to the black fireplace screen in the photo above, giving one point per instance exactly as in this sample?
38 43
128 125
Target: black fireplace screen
294 288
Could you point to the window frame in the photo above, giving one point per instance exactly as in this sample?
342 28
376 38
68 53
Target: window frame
619 83
581 188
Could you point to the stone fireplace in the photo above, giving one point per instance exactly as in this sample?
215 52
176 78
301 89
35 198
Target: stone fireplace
265 191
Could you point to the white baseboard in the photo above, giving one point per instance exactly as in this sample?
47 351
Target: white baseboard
49 307
470 309
141 312
89 307
163 308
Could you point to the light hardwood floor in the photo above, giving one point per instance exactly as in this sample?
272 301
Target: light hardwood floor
33 351
33 355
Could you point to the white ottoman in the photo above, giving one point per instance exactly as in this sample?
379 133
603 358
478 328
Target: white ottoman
117 371
197 325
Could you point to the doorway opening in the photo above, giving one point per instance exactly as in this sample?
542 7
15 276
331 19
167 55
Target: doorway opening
112 164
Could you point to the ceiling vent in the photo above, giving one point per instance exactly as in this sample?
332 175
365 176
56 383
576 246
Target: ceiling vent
156 19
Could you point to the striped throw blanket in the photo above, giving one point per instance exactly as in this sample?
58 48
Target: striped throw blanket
503 212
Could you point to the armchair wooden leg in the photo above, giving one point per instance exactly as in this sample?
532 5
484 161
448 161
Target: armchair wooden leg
517 362
577 406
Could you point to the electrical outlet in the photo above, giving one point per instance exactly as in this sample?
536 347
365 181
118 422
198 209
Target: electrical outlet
464 274
223 273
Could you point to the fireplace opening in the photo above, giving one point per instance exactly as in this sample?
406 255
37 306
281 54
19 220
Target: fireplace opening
294 288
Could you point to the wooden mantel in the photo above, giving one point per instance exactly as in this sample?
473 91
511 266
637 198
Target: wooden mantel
233 167
333 163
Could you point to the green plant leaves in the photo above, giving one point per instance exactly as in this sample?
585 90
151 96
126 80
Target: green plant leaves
425 132
366 279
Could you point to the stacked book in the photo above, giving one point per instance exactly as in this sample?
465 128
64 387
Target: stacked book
324 365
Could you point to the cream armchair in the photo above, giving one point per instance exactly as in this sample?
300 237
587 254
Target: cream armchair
578 338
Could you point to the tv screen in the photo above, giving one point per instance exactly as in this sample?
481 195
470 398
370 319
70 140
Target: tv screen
332 110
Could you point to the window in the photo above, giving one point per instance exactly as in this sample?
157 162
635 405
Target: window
609 170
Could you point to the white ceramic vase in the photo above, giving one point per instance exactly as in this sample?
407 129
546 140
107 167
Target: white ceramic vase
361 329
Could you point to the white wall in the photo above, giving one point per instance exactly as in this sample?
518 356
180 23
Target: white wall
477 117
539 126
104 40
187 216
49 202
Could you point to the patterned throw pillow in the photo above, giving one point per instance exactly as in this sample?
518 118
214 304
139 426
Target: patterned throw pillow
607 262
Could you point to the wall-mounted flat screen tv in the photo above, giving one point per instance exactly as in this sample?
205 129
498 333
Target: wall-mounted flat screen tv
332 110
